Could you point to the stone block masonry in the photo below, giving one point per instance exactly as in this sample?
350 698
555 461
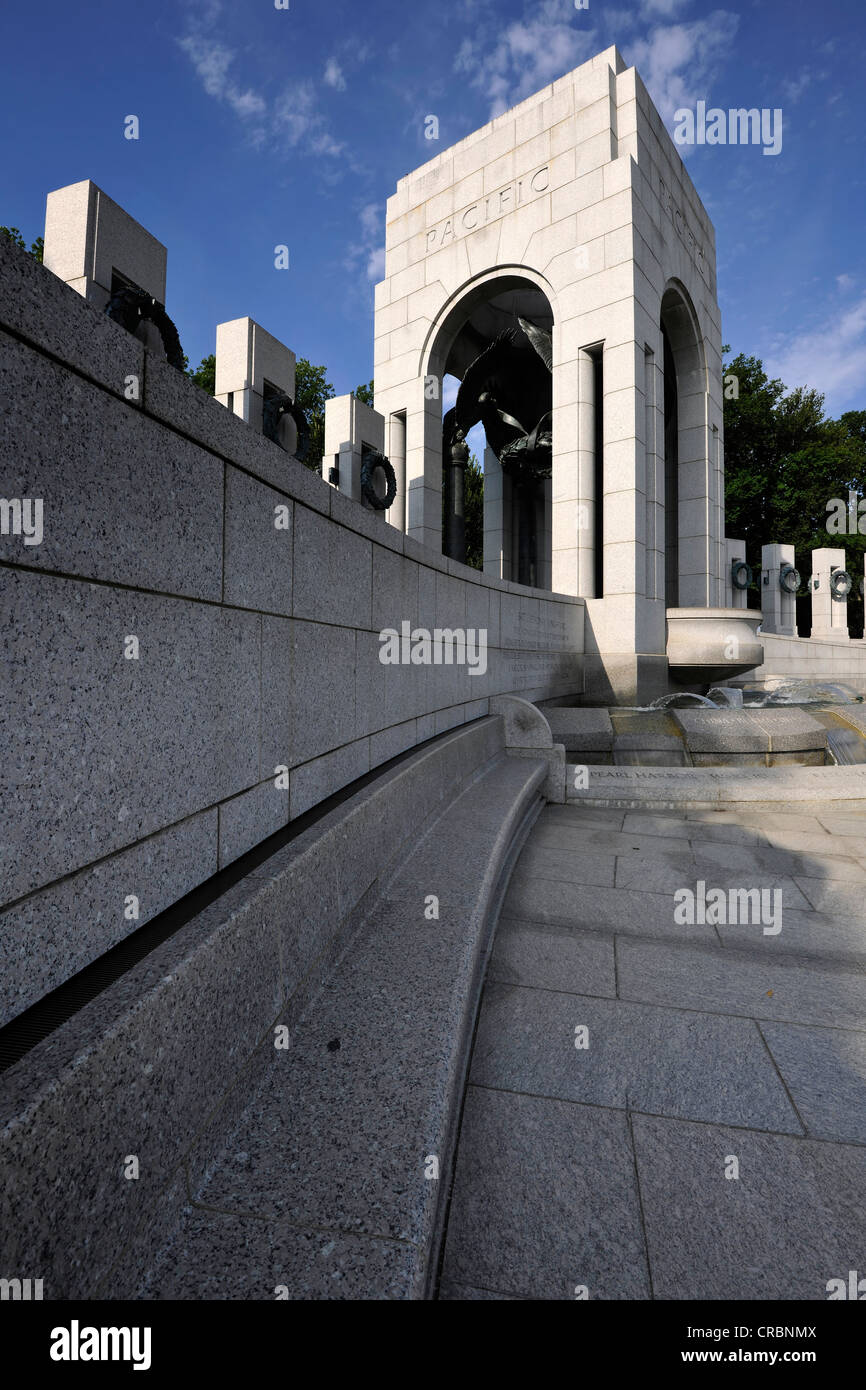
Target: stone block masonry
191 649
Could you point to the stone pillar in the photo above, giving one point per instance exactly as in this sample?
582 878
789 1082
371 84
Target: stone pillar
829 615
455 514
779 605
544 523
565 537
424 462
734 551
586 430
251 363
497 518
397 455
96 247
655 476
351 426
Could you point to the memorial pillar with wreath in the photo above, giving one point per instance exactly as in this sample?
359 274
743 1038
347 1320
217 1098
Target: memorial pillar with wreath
780 581
737 574
255 379
354 461
830 585
102 253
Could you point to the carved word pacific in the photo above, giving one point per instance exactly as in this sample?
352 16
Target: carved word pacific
489 208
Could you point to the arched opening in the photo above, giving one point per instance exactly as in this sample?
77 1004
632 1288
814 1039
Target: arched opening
686 479
493 353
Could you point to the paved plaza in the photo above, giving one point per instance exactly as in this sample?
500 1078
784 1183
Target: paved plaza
659 1109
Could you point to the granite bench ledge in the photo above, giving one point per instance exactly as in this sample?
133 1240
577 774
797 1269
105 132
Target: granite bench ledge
333 1147
171 1051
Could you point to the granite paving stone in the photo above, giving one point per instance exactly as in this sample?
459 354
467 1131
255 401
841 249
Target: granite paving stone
590 866
653 823
845 825
733 982
831 895
550 835
665 1061
452 1292
549 958
825 1072
599 909
544 1200
667 874
817 935
793 1220
832 864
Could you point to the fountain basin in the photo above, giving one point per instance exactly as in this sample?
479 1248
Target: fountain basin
708 645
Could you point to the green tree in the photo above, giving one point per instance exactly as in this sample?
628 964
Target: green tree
473 512
364 393
473 508
204 374
784 463
36 247
312 389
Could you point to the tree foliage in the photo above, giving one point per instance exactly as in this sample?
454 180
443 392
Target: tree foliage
36 247
473 507
785 461
364 393
204 374
312 389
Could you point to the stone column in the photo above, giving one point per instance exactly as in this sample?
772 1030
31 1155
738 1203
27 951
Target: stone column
829 615
779 607
94 245
249 362
497 518
424 463
734 551
350 425
586 423
455 515
397 455
655 476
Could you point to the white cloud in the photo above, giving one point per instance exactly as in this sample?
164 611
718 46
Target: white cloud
527 54
368 251
334 75
845 281
376 265
212 61
291 120
665 8
679 61
830 357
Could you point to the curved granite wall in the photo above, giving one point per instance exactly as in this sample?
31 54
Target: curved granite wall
134 769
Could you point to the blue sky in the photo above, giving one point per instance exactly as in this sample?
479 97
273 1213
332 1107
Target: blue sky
262 126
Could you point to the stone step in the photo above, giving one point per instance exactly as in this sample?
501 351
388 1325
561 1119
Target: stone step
158 1065
334 1182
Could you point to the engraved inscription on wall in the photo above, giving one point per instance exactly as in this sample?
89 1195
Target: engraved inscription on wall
684 231
489 208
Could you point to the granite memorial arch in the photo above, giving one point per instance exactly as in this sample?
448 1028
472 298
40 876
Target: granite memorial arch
572 211
481 325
